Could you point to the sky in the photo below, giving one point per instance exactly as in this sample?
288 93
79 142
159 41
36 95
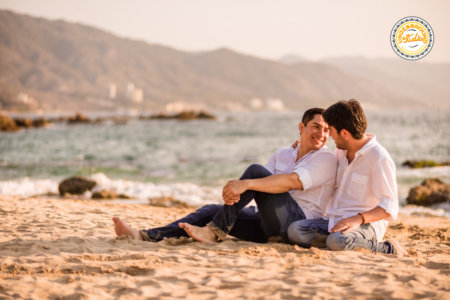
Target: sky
314 30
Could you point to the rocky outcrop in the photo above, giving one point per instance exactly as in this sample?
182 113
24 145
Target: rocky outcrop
41 122
104 195
58 119
28 123
184 115
76 185
160 116
205 115
430 191
24 122
415 164
79 118
7 124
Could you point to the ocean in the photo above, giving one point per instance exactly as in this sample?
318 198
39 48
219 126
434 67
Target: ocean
192 160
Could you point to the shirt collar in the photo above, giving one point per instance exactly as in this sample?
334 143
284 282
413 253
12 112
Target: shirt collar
371 143
295 152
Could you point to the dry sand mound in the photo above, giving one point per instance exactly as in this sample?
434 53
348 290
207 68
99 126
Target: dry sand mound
67 249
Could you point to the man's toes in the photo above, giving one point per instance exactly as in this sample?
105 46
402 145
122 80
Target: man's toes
182 225
187 227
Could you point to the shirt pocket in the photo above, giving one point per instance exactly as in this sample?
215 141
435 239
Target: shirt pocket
280 168
357 185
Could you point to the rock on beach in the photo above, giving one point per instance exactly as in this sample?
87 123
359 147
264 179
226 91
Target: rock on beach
416 164
429 192
76 185
104 195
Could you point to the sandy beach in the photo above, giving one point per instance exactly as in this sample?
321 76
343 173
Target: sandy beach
67 249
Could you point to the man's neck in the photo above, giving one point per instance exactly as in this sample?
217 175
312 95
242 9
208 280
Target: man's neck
302 151
355 146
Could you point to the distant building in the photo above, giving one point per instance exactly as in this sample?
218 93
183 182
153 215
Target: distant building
134 94
129 91
22 97
256 103
30 102
111 91
137 95
275 104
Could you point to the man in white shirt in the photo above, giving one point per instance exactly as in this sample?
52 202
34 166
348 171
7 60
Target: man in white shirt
365 200
295 184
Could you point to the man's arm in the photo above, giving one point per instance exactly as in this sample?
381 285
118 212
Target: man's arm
352 223
274 184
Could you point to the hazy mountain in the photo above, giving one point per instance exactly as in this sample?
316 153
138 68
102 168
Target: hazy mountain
428 83
290 59
67 66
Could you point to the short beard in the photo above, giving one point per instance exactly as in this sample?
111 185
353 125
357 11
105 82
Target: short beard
341 143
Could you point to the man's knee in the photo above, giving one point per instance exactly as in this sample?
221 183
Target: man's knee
255 171
338 241
298 235
209 209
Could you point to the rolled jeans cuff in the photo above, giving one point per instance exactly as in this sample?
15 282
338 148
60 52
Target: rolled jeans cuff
217 231
144 236
392 249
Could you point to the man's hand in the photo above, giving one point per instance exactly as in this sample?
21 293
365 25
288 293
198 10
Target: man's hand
232 190
294 145
233 200
347 224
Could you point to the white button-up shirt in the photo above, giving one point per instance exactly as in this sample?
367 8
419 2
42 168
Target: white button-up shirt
369 181
317 172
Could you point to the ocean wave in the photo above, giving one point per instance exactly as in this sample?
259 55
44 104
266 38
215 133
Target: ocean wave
187 192
27 187
403 172
439 210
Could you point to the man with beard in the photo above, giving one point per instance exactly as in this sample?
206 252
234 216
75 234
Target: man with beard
295 184
365 200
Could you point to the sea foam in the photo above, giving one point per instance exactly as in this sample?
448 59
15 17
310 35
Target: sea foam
187 192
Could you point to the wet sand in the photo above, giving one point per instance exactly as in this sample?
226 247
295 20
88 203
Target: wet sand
67 249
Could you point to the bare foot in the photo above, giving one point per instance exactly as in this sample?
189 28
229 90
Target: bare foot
400 251
122 228
201 234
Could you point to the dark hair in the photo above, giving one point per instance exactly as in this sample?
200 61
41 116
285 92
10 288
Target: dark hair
347 115
310 113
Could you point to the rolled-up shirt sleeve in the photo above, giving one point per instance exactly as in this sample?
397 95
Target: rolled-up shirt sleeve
319 171
384 185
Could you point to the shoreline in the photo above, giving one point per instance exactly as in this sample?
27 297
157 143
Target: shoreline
173 194
68 248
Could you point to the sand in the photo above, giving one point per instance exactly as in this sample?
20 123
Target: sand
67 249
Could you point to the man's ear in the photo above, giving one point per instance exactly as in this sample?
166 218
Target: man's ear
345 134
301 126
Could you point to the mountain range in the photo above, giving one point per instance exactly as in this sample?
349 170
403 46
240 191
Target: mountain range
67 66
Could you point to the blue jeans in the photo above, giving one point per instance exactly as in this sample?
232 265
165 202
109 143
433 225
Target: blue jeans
247 226
276 213
314 233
